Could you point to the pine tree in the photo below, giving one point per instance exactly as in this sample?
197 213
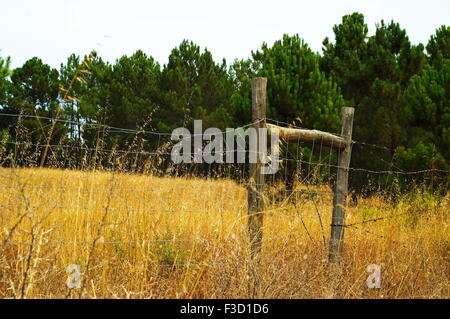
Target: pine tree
34 90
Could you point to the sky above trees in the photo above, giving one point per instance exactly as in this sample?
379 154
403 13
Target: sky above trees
53 29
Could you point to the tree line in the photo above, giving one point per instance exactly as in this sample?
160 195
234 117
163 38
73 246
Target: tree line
400 90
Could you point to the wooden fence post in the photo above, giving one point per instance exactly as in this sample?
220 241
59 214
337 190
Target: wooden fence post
255 200
341 187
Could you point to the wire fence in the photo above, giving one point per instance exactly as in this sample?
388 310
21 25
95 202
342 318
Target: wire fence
82 146
313 169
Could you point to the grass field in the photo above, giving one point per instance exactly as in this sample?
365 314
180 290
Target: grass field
138 236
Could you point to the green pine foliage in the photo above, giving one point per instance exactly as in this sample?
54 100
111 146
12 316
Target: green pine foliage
400 90
298 91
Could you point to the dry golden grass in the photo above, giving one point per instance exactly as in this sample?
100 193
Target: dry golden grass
147 237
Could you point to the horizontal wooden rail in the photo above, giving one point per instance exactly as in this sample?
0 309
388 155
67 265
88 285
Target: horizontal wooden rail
308 136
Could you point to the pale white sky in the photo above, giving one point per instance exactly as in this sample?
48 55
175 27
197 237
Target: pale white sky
53 29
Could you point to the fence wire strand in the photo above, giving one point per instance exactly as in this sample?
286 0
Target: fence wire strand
314 169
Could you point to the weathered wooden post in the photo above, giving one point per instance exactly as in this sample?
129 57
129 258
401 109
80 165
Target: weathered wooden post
341 187
255 200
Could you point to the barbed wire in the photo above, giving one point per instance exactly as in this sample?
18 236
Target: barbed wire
269 211
381 218
394 150
130 242
138 268
114 129
114 210
91 149
159 153
156 153
114 189
368 170
134 268
204 240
